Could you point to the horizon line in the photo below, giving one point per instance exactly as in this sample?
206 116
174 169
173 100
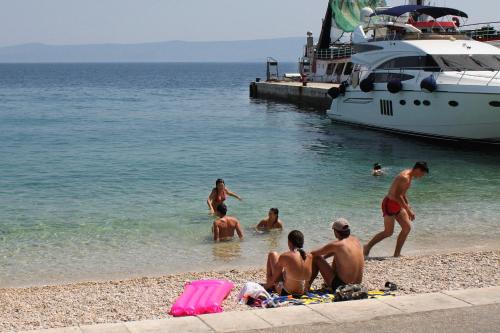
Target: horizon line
145 43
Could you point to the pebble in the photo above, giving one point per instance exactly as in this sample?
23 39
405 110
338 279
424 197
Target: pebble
151 297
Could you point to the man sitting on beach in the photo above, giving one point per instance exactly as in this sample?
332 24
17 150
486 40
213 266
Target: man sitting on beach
271 222
348 260
290 272
396 206
225 226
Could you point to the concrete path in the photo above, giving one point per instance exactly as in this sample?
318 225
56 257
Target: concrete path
471 319
471 310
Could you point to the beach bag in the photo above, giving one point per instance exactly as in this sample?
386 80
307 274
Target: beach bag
350 292
252 291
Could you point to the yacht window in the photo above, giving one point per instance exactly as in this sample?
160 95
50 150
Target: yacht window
329 69
426 63
348 68
465 62
340 68
386 77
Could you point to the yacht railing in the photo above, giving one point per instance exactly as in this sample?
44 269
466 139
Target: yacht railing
334 53
487 31
468 73
393 36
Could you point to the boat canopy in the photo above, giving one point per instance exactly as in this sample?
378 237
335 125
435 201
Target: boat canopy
343 16
435 12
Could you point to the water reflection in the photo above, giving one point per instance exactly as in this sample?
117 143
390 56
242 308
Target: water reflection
227 250
270 239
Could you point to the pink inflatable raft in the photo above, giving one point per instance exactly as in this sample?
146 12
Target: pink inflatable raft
203 296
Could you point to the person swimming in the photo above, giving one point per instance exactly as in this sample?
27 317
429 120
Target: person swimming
271 222
377 170
219 194
290 272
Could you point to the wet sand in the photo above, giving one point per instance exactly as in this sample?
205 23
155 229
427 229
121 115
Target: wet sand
151 297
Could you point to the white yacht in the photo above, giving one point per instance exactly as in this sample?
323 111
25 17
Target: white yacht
417 74
329 60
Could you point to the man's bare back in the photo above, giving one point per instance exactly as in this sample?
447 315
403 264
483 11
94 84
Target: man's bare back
348 260
225 227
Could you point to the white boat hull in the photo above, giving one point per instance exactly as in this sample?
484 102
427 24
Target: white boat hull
495 43
473 119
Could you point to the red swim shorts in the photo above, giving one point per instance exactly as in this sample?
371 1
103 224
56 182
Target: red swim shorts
390 207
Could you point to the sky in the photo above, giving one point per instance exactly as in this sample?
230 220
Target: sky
63 22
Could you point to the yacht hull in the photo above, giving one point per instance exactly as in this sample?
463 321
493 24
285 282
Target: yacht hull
442 115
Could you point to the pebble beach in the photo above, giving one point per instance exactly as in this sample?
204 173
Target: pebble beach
144 298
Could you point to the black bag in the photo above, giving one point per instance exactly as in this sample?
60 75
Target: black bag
350 292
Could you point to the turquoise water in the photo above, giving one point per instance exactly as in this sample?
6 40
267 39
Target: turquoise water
105 170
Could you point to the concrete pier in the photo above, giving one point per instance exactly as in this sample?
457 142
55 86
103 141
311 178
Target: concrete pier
314 94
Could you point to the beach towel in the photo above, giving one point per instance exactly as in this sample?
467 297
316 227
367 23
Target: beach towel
313 297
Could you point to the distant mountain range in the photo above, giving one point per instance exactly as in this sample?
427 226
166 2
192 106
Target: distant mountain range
283 49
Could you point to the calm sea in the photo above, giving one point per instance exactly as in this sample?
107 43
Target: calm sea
105 170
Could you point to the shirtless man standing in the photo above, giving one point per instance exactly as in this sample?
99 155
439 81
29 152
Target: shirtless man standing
290 272
397 207
225 226
348 260
272 221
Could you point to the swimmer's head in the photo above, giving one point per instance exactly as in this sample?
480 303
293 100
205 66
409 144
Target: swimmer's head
221 210
273 213
219 184
377 166
420 169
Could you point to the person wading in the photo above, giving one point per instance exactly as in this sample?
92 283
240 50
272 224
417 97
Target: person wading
219 194
396 207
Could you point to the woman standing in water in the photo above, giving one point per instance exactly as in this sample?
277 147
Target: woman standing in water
219 194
